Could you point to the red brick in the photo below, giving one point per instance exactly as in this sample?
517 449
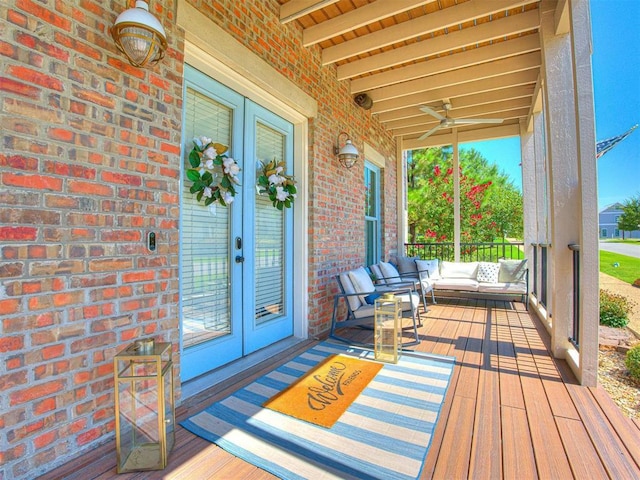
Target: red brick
19 162
39 182
45 439
14 362
44 406
13 379
53 351
89 188
9 306
17 18
32 76
44 14
9 344
35 392
88 436
19 88
121 178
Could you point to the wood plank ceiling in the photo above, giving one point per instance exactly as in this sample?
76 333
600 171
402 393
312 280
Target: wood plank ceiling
480 56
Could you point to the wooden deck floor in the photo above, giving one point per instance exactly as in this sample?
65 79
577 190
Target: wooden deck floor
511 411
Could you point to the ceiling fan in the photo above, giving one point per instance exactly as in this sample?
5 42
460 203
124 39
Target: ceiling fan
446 122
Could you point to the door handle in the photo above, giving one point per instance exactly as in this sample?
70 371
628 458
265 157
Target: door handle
239 259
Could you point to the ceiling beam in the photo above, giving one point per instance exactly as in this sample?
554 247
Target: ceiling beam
420 26
464 101
511 25
437 94
359 17
536 104
494 108
561 17
496 51
463 75
294 9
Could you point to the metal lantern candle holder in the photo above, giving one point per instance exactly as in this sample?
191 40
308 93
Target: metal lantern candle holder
145 415
388 328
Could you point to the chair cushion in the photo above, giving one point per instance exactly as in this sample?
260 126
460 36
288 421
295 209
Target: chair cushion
379 277
430 266
389 272
488 272
512 270
464 284
406 265
518 288
362 282
466 270
347 286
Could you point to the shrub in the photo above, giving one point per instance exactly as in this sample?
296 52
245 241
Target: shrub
633 362
614 309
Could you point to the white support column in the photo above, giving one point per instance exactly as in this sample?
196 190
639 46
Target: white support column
456 196
565 187
401 197
587 172
528 172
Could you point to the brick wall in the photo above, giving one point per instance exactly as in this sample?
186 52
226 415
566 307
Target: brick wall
88 167
90 164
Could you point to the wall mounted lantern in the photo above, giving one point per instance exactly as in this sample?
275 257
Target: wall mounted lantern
139 35
348 153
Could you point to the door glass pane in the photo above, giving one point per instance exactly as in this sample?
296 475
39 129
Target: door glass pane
269 235
205 234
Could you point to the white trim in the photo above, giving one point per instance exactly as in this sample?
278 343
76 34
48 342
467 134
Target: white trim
373 156
233 65
253 77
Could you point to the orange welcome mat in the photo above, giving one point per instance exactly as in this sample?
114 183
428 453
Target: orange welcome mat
323 394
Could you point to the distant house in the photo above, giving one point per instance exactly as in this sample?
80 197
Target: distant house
608 223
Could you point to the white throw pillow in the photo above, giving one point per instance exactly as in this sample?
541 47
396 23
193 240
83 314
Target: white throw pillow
488 272
430 266
389 272
362 283
378 277
466 270
512 270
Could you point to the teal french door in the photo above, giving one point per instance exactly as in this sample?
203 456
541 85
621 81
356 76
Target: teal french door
236 261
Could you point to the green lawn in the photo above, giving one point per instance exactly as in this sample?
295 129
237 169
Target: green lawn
628 269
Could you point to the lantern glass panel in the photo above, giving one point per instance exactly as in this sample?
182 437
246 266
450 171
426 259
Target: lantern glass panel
144 407
387 328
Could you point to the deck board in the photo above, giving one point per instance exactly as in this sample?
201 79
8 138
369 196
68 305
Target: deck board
511 410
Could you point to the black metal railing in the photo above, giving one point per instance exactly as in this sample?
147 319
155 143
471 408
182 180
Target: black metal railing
469 252
575 333
539 271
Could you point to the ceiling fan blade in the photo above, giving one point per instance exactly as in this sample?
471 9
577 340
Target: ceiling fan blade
431 112
425 135
473 121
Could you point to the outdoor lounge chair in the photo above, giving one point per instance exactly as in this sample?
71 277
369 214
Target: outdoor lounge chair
386 274
358 290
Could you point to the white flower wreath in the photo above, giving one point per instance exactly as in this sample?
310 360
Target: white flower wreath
214 175
281 188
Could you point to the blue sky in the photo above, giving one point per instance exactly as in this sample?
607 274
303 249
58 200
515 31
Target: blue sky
616 83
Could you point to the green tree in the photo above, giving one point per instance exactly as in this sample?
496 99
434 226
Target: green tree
489 203
630 218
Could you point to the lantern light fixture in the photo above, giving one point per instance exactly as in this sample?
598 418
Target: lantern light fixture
348 153
139 35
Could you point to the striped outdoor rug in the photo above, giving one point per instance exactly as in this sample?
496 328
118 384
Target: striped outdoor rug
385 433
